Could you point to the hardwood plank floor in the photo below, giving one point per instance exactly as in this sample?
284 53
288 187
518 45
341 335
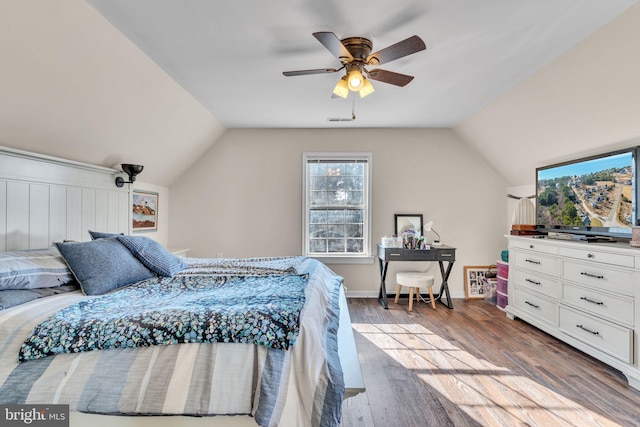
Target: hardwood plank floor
472 366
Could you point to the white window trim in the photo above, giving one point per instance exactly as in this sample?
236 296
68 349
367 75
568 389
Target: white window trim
364 258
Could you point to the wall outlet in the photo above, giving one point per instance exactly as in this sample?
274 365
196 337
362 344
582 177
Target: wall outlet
220 255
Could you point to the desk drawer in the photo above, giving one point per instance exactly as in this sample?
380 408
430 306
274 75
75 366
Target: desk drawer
601 334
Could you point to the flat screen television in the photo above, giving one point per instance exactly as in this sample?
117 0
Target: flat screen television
594 196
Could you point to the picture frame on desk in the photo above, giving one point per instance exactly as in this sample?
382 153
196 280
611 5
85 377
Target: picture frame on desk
408 222
473 276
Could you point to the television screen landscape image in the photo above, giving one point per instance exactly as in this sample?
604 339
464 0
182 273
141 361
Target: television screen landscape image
595 192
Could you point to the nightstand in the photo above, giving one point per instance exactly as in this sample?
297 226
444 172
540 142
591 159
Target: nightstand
181 253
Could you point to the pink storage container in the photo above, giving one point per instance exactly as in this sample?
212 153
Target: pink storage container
503 269
502 300
502 285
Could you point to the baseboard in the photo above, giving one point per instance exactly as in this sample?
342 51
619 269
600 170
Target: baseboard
374 294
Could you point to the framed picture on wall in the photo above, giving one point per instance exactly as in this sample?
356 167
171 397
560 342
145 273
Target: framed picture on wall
144 211
473 277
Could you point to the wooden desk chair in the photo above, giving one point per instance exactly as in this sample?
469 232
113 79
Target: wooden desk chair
415 280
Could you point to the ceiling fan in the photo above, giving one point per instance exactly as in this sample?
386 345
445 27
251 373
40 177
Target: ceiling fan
355 54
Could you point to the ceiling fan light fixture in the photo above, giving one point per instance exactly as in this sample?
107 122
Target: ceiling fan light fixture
355 79
342 88
367 88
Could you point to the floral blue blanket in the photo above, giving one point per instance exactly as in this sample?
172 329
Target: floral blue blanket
182 309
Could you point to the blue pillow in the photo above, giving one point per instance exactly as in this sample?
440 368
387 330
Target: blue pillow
99 235
33 269
151 253
102 265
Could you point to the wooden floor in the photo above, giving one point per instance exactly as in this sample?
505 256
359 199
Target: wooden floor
471 366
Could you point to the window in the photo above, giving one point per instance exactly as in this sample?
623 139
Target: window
336 204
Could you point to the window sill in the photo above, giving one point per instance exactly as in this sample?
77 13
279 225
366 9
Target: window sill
344 259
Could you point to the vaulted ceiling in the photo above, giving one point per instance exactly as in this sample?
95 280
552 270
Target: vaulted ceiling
230 55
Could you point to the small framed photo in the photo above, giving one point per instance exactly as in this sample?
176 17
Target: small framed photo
473 281
408 223
144 211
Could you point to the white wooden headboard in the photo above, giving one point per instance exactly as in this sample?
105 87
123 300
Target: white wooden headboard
45 199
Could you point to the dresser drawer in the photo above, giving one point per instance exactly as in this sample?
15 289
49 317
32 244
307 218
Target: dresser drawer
538 283
598 276
536 262
534 245
601 334
535 305
616 308
622 260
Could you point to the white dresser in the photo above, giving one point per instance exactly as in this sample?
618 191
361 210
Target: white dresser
582 293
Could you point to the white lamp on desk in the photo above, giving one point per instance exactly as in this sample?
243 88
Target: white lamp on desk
429 227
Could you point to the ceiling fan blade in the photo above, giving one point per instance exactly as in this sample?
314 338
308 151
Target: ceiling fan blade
334 45
403 48
389 77
307 72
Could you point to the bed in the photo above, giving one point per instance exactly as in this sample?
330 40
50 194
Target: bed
291 381
300 381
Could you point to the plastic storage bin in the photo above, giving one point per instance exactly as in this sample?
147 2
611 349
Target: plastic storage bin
501 300
502 285
503 269
489 289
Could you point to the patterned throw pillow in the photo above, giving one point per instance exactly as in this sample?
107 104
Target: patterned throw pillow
151 253
33 269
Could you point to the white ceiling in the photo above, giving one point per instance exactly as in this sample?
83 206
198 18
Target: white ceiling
230 55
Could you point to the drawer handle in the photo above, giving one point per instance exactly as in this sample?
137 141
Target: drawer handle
443 255
533 281
532 261
592 301
531 304
595 276
395 254
590 255
530 246
587 330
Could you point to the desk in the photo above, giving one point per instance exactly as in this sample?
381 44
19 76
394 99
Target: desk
442 254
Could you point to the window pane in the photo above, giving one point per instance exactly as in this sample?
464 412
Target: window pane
355 245
353 216
318 183
318 230
337 197
318 217
317 169
335 230
336 245
335 182
355 168
354 183
355 198
318 198
335 169
336 216
318 245
354 230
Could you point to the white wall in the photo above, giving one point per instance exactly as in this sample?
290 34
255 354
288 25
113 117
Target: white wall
585 102
244 197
